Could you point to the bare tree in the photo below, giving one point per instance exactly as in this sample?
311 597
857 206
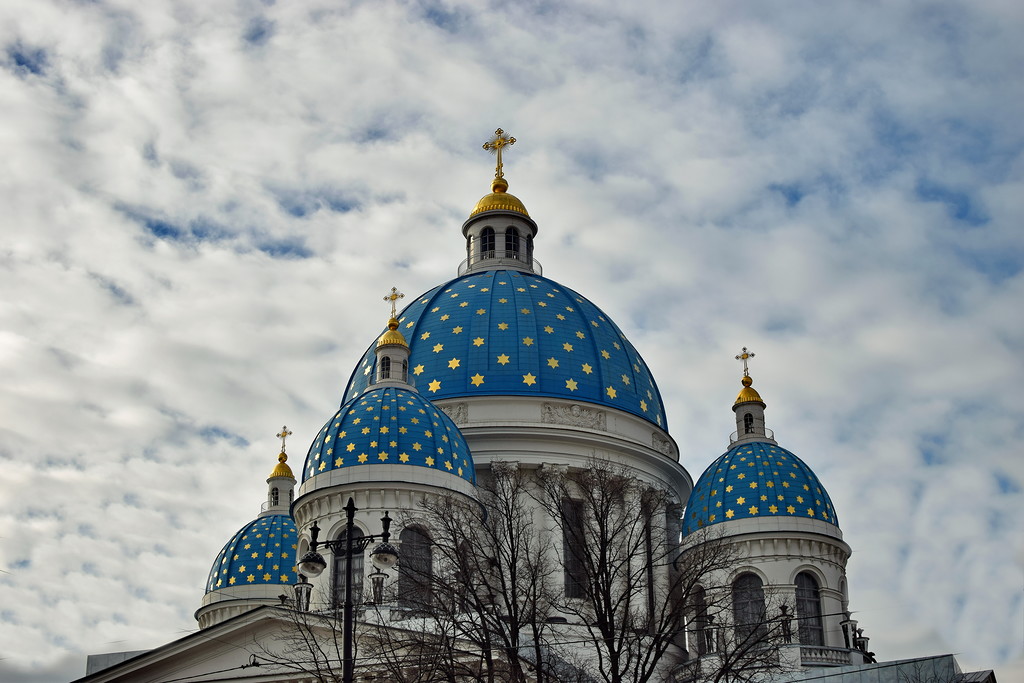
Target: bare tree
490 583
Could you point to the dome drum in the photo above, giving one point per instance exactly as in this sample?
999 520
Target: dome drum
499 240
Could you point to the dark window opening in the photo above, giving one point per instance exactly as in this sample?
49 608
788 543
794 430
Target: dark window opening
487 243
511 243
275 496
416 569
573 552
808 610
340 560
748 609
385 368
748 423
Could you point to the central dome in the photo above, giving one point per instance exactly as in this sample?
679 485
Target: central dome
512 333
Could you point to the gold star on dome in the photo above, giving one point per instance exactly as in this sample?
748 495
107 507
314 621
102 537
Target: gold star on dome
429 460
527 341
529 379
728 489
567 346
434 386
502 326
457 329
605 354
476 380
339 462
560 316
643 405
416 446
479 341
520 289
611 392
448 464
571 385
524 311
425 336
384 430
403 457
438 348
444 317
790 509
552 362
587 368
503 359
502 301
549 329
625 380
351 447
453 363
730 514
382 456
753 510
579 333
363 457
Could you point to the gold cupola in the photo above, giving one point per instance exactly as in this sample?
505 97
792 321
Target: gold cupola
282 469
748 393
392 336
499 200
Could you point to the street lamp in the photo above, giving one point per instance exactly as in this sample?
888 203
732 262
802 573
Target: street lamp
384 556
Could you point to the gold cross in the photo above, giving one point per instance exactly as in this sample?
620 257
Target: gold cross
283 434
495 145
394 296
744 355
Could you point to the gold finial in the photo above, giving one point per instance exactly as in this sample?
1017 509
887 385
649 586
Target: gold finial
498 142
744 356
283 434
393 297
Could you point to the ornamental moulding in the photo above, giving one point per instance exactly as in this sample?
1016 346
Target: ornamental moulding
574 415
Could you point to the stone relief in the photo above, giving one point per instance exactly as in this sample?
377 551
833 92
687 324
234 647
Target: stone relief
575 415
661 444
459 412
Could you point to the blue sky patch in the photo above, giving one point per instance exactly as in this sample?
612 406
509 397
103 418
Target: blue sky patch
27 60
258 31
959 204
293 247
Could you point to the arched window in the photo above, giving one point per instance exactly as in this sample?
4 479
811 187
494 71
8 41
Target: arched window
291 499
511 243
340 560
385 368
487 243
405 371
416 569
529 248
275 496
748 611
748 423
808 610
573 552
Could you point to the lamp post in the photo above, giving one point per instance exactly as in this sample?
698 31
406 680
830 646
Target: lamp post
384 556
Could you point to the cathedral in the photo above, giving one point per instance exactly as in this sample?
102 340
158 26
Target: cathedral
502 374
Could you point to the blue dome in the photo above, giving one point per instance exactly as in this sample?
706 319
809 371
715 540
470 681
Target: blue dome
509 333
756 480
262 552
390 426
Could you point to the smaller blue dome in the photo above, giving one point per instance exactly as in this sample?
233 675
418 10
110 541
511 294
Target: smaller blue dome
261 552
390 426
756 480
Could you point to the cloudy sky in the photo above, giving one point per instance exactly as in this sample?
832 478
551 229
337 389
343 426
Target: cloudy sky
203 203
